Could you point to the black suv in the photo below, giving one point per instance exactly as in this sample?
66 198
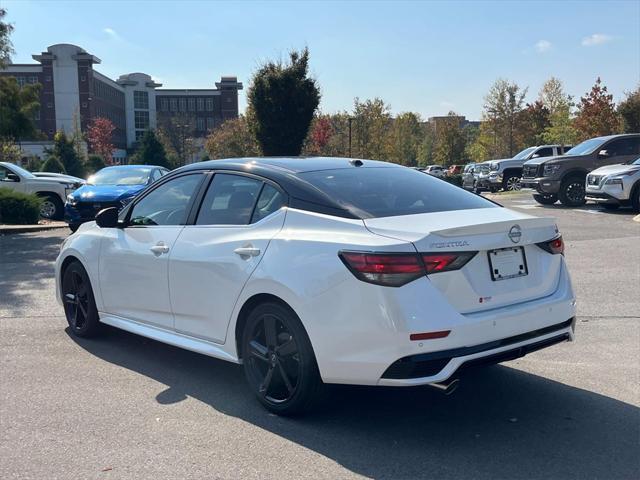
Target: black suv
564 177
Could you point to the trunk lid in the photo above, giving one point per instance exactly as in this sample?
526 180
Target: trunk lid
472 288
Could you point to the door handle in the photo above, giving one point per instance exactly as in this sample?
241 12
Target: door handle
159 249
248 251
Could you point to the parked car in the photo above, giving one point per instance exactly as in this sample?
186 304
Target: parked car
109 187
564 177
505 173
468 178
455 169
615 185
52 190
78 182
435 170
307 272
481 174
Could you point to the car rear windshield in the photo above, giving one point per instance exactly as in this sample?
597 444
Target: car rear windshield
386 192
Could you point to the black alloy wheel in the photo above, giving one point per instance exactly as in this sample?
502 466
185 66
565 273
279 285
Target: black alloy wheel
572 192
79 304
279 362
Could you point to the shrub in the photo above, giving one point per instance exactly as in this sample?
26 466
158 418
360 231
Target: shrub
454 179
95 163
53 165
19 208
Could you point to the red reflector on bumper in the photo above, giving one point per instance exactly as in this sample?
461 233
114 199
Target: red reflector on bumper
429 335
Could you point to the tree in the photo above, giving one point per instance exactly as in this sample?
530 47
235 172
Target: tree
502 108
629 110
95 163
320 134
232 139
9 151
6 47
150 151
482 147
282 101
177 133
53 164
370 125
404 139
561 130
18 106
597 114
552 95
100 137
535 118
63 150
449 140
77 136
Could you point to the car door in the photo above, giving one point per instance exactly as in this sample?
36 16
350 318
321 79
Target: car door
10 179
619 150
134 260
213 259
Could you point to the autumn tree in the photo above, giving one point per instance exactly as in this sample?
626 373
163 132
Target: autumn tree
370 125
319 136
502 107
560 129
450 140
534 120
100 137
404 139
597 114
231 140
629 110
482 146
282 100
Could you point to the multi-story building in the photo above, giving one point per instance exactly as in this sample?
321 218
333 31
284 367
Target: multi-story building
73 93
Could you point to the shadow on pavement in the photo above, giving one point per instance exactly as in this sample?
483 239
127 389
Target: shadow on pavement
501 423
26 264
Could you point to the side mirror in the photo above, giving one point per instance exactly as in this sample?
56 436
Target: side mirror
535 155
107 218
12 177
603 153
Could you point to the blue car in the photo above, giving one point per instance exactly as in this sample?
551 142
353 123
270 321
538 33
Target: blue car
109 187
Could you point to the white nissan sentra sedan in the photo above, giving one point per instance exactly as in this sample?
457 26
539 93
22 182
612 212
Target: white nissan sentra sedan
313 271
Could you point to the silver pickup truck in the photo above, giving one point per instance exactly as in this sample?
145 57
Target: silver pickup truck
505 173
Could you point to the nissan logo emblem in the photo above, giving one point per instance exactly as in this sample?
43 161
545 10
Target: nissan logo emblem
515 233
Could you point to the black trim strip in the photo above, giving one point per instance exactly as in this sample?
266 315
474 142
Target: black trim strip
428 364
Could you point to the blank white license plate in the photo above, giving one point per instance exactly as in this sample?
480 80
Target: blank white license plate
507 263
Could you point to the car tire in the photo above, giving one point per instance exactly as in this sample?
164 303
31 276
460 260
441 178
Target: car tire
51 208
572 192
512 184
545 199
635 197
279 362
610 206
78 300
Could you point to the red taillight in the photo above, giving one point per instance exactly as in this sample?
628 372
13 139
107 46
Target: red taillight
390 269
397 269
555 246
444 262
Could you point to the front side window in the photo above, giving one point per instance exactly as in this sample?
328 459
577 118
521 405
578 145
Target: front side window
545 152
229 200
166 205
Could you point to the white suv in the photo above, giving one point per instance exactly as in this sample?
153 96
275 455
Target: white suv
615 185
54 191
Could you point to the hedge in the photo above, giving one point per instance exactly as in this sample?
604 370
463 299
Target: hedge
19 208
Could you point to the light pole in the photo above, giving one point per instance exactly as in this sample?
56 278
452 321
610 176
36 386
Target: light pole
350 120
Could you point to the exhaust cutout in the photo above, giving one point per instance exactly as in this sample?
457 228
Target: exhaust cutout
446 387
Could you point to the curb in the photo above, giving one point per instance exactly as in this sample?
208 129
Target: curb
13 229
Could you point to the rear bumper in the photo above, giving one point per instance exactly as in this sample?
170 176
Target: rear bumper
541 185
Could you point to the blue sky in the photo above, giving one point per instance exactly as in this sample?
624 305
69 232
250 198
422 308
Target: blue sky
427 57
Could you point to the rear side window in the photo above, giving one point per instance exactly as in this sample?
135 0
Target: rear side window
271 200
385 192
229 200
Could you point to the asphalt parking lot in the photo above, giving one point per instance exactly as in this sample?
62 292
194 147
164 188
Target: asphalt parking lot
125 407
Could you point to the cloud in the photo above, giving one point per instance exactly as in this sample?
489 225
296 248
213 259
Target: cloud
596 39
112 33
543 46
